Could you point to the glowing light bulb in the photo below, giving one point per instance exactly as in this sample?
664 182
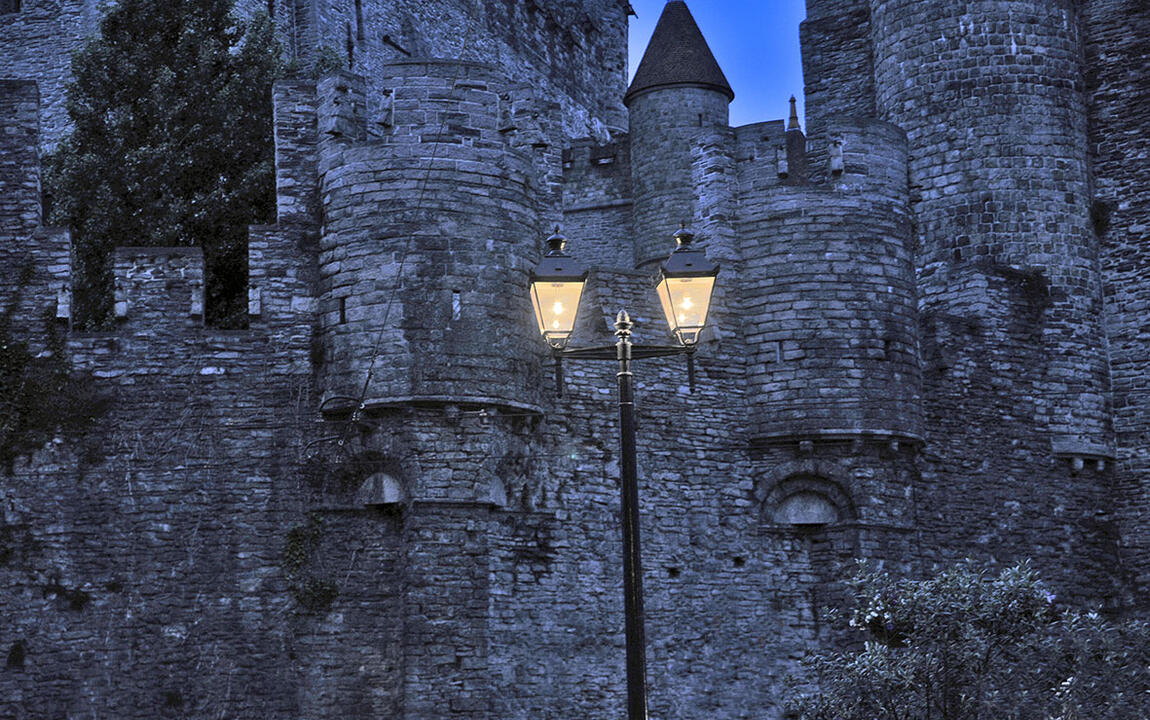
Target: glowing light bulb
687 304
557 308
555 324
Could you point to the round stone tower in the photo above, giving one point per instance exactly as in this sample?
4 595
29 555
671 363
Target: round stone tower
829 285
990 94
429 230
678 104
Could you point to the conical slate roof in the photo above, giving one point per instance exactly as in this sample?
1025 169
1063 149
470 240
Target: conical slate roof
677 56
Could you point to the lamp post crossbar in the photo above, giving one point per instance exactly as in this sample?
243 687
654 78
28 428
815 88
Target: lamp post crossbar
608 352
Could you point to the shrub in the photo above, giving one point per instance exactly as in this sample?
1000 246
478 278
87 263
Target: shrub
965 645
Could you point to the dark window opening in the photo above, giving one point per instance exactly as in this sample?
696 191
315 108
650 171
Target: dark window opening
603 154
16 655
271 8
9 6
359 21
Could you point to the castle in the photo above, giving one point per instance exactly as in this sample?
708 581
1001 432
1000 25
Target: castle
929 343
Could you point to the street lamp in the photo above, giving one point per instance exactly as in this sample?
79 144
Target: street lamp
685 286
556 286
686 281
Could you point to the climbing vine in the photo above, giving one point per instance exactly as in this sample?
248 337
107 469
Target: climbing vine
41 396
312 592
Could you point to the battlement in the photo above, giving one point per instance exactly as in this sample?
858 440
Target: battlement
597 201
19 160
865 155
769 155
158 287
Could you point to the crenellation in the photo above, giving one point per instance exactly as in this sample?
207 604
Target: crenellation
20 206
158 288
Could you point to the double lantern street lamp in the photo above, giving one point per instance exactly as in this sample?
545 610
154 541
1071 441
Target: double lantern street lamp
685 283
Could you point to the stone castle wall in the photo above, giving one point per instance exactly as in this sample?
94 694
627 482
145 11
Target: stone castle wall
571 50
991 98
1118 103
232 534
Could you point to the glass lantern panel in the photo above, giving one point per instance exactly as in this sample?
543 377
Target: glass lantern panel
555 306
686 301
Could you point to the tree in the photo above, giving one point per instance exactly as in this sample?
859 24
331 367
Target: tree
967 646
172 145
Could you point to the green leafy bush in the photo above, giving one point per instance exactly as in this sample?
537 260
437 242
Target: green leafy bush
965 645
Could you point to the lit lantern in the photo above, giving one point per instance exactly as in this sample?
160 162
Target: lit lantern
556 286
685 284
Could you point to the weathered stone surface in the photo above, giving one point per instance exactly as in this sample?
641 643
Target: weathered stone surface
928 343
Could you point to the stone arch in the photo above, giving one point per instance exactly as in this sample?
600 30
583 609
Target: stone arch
381 488
377 478
804 494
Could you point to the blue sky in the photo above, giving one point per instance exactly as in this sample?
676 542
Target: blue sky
756 43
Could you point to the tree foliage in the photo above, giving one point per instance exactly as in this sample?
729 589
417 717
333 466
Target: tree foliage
172 145
968 646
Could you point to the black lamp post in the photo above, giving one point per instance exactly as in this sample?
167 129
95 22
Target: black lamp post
685 284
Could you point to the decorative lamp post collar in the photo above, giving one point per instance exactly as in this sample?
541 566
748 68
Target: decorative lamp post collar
683 236
556 244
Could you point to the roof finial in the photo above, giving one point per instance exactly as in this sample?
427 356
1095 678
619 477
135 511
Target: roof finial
793 123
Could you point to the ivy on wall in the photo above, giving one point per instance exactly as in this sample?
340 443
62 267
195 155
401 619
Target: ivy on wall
41 396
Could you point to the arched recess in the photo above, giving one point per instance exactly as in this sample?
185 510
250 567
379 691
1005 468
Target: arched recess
378 479
804 495
808 501
367 478
381 488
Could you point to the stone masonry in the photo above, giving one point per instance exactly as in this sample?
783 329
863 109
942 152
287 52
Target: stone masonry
928 343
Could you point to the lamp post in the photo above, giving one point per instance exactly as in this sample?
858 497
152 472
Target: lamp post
685 284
